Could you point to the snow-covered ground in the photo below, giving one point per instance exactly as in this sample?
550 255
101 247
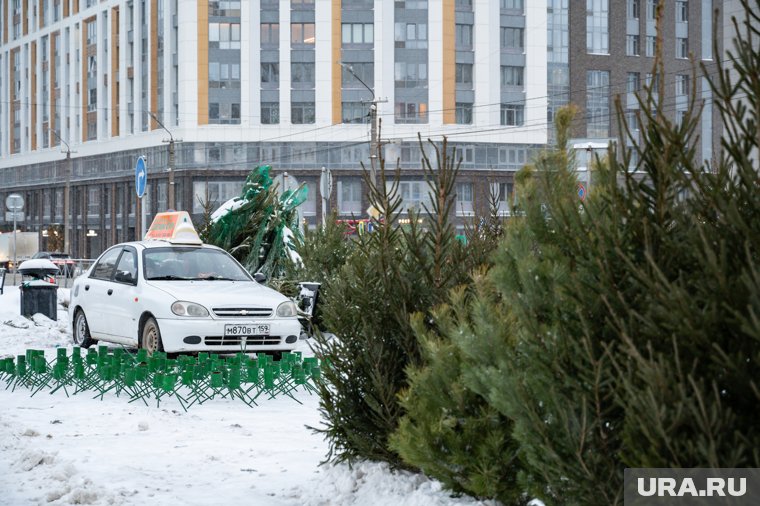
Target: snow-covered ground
77 450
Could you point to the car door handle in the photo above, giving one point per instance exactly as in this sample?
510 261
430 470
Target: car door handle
86 287
110 291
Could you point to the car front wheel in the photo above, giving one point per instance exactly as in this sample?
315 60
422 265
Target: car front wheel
82 331
150 339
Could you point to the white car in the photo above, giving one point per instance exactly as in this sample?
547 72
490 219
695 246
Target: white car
164 296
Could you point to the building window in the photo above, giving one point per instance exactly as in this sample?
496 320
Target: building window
682 47
302 4
302 113
682 84
411 112
215 193
632 45
633 82
463 36
213 110
465 198
597 27
93 201
270 34
682 11
512 5
598 103
651 45
224 35
364 71
512 115
414 195
270 113
512 38
464 75
350 196
355 112
411 75
302 34
358 33
302 75
270 73
652 9
512 76
410 35
633 10
463 114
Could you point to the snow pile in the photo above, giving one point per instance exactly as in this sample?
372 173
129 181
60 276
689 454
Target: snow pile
289 241
229 206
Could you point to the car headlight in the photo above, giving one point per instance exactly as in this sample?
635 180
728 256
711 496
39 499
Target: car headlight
287 308
182 308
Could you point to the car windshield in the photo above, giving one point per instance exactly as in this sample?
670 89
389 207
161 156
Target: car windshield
205 264
64 256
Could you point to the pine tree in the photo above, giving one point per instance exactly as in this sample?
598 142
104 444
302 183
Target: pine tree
392 272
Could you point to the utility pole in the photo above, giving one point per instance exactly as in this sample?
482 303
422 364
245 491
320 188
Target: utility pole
66 196
172 203
374 142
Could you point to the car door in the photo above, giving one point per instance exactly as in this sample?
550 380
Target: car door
122 311
96 303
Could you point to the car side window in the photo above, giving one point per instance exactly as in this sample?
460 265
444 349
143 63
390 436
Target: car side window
104 268
126 269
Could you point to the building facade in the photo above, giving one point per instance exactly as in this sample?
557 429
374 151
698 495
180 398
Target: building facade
612 47
87 86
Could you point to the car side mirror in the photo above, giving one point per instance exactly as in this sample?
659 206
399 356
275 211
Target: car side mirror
260 278
124 277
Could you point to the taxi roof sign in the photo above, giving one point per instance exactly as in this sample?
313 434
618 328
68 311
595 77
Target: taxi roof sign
175 227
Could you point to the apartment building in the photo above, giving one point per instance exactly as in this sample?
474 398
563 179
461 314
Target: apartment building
88 86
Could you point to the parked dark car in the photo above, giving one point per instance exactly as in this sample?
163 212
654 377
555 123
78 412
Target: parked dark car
63 261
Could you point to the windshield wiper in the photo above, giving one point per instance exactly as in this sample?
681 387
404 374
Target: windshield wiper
168 277
213 278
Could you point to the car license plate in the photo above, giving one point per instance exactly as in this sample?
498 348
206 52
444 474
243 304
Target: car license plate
246 329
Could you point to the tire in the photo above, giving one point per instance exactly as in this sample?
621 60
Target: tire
150 337
82 336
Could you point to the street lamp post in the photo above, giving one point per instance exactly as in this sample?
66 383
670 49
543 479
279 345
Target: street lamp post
66 196
172 203
374 142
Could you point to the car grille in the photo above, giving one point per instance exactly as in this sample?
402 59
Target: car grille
242 312
242 340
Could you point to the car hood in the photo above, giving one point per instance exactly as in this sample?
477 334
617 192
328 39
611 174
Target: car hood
222 293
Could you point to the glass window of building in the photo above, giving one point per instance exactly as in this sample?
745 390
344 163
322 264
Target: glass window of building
633 9
364 71
651 45
512 76
597 26
355 112
512 39
682 47
302 74
358 33
598 103
302 113
464 75
512 5
302 34
411 35
464 198
682 11
411 75
633 82
512 114
652 9
632 45
270 113
270 34
302 4
349 196
463 35
270 73
463 114
414 195
682 84
411 112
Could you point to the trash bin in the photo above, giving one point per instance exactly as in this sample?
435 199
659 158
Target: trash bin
39 295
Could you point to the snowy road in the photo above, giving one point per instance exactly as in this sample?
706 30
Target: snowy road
76 450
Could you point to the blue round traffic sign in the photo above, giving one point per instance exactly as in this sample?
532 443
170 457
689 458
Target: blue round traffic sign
581 192
141 177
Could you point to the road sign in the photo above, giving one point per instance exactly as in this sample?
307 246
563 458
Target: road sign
14 216
14 202
581 192
141 177
325 183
